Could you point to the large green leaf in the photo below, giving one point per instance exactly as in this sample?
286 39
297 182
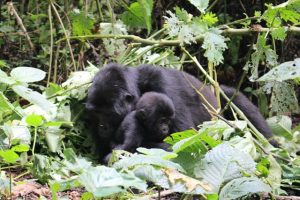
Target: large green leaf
35 98
27 74
139 14
81 24
281 125
284 71
103 181
222 164
243 186
130 162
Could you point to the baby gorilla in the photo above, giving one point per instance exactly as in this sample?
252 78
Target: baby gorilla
148 125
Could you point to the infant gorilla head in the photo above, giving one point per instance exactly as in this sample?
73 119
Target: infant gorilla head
155 112
146 126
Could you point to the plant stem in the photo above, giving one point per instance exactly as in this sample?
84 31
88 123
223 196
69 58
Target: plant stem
11 7
163 42
51 45
65 33
34 141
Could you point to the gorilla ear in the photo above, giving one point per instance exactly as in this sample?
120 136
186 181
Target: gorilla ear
140 114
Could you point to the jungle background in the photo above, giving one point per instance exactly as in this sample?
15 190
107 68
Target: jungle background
50 51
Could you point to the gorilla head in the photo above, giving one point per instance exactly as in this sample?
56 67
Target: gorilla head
155 112
111 97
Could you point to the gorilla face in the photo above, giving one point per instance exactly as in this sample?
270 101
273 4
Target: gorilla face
155 111
108 113
109 100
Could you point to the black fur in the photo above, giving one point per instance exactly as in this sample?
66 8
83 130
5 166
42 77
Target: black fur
148 125
116 90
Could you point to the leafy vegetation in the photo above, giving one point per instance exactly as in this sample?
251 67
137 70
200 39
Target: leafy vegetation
52 49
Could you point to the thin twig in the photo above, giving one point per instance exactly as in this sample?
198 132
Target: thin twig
66 35
51 45
11 8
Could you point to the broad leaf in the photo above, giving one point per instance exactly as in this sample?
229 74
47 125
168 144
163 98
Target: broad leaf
281 125
130 162
243 186
53 138
139 14
6 79
157 152
114 47
20 148
284 71
34 120
214 45
103 181
222 164
17 133
27 74
9 156
81 24
34 97
201 5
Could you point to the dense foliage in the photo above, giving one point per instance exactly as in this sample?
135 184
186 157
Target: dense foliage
50 51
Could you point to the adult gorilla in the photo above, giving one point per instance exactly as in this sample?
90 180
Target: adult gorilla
116 89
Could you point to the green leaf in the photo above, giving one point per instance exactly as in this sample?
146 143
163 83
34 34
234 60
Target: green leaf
53 138
5 184
87 196
281 125
284 71
81 24
20 148
35 98
139 14
9 156
210 18
279 33
214 45
103 181
78 80
136 159
41 167
222 164
152 174
243 186
27 74
212 197
182 14
17 133
78 165
34 120
5 105
201 5
115 48
157 152
6 79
